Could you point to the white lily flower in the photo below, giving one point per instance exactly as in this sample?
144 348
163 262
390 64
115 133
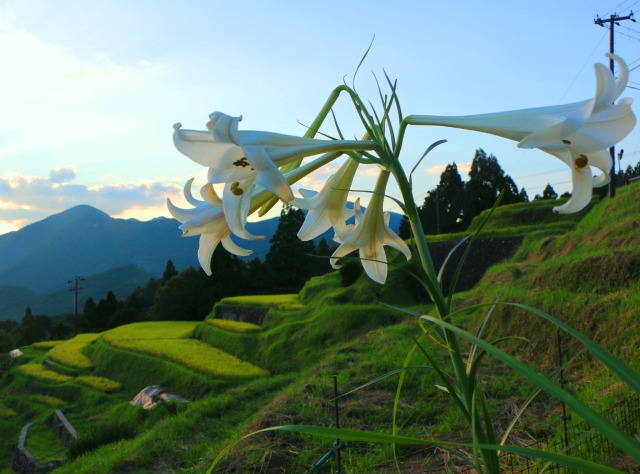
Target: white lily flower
246 157
370 234
206 219
328 208
579 134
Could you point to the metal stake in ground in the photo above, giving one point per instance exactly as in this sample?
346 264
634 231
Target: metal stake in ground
336 415
337 445
563 382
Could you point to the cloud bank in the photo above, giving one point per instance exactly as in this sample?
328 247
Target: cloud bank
26 199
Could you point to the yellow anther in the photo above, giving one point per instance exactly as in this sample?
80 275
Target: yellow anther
236 189
581 162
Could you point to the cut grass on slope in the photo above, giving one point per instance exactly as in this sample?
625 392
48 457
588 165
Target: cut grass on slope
195 355
39 372
46 345
152 330
237 327
70 352
288 301
184 443
102 384
174 345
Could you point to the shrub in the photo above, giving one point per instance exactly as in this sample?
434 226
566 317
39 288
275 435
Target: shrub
350 272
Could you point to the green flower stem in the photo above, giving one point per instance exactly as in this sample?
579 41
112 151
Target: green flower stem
293 176
426 263
267 204
434 288
324 111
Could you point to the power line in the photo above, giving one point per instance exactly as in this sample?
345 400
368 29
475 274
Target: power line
76 288
613 21
618 6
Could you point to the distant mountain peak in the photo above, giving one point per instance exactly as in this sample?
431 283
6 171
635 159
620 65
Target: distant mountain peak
84 211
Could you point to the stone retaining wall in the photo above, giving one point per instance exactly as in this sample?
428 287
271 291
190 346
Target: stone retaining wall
24 462
66 433
244 314
484 253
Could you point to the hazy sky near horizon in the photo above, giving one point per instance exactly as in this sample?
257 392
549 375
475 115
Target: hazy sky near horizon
89 91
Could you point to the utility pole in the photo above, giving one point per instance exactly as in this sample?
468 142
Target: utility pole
613 20
76 280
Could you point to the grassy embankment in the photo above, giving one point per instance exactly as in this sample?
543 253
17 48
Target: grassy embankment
565 267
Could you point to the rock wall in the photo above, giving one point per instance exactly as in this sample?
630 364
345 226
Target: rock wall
24 462
66 433
484 253
245 314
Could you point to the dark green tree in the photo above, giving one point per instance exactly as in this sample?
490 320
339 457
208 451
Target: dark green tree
289 262
105 310
442 210
191 294
404 229
33 328
321 262
169 271
524 197
547 193
486 180
186 297
511 193
89 320
6 341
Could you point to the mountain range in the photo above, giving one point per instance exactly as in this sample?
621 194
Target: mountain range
39 263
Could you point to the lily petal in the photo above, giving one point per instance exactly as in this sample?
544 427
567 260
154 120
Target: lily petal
581 195
370 234
236 202
580 131
328 208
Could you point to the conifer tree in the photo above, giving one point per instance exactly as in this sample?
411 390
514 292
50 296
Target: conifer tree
289 262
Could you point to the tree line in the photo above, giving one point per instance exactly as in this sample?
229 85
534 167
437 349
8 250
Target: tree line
452 205
190 294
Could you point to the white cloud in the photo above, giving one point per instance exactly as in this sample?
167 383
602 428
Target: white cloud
62 175
26 199
463 168
50 98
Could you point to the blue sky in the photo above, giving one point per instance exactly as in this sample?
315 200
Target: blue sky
89 91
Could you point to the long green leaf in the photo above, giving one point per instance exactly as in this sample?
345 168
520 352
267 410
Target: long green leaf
449 256
458 272
626 444
485 320
532 397
385 376
629 376
586 467
445 380
396 400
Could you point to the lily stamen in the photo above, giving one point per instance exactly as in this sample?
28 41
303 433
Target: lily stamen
236 189
581 162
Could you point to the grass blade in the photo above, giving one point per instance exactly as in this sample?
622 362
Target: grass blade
626 444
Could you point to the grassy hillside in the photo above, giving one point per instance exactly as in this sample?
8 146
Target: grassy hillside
243 377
